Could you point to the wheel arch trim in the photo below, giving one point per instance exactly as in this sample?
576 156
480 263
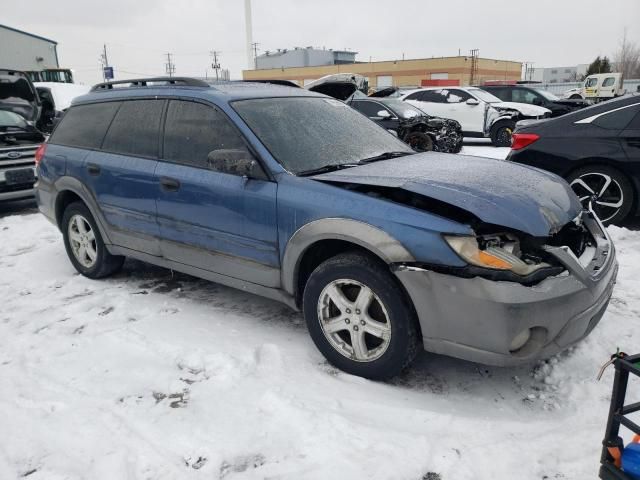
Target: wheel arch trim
369 237
75 186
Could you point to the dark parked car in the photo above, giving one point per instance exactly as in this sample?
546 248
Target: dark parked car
19 138
597 150
536 96
295 196
414 127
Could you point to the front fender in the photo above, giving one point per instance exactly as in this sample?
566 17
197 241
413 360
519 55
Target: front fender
377 241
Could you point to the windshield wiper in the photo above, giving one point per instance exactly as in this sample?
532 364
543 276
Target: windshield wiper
326 168
384 156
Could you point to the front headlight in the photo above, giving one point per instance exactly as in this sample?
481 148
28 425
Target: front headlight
491 256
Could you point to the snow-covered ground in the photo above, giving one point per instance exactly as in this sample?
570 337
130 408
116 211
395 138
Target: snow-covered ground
149 375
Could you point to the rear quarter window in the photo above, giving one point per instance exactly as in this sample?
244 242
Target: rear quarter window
84 126
617 120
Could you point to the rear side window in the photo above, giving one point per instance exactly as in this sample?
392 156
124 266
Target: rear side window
414 96
435 96
85 126
193 130
617 120
608 81
135 129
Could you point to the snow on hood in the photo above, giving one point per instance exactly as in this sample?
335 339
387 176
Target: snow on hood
497 192
524 108
63 93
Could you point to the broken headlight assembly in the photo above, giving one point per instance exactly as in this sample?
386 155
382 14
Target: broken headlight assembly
499 257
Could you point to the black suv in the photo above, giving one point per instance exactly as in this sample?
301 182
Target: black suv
536 96
19 138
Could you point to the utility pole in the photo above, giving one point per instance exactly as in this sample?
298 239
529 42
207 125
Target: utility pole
249 30
215 65
104 61
474 66
169 67
255 55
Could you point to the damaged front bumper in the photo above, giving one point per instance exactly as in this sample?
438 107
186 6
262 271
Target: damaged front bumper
505 323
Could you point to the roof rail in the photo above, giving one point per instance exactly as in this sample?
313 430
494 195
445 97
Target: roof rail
142 82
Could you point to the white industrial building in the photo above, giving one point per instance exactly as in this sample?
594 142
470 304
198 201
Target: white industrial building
26 51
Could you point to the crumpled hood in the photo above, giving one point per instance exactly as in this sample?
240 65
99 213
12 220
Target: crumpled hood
524 108
496 191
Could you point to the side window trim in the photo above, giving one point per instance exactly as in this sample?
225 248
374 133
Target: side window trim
268 177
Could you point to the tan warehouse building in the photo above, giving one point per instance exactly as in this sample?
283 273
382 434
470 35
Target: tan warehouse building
426 71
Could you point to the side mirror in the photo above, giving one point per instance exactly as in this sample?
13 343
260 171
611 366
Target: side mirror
472 101
383 114
235 162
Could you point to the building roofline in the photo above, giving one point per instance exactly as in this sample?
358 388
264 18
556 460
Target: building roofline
29 34
385 61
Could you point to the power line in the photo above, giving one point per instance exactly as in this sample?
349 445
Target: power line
169 67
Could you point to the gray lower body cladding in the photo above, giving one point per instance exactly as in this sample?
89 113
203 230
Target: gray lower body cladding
481 320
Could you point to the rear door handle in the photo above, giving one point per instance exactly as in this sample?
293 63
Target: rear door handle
169 184
93 169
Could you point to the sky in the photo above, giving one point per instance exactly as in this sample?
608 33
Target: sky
138 34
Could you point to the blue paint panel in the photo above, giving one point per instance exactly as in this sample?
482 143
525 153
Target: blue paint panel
219 213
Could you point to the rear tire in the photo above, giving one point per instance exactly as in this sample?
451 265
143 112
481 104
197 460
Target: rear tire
419 141
84 244
359 317
608 191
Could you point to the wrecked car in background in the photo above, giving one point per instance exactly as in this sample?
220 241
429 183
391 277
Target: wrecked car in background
481 114
420 131
297 197
413 126
19 138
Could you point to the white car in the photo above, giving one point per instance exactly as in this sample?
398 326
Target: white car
481 114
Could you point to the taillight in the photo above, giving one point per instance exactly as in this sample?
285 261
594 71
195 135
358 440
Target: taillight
40 153
521 140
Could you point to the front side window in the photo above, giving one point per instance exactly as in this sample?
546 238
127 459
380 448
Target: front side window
521 95
193 132
457 96
591 82
370 109
135 129
84 126
307 133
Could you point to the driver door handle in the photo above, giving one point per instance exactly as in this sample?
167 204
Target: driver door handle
169 184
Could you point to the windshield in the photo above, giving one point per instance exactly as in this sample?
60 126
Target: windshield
547 95
307 133
10 119
484 95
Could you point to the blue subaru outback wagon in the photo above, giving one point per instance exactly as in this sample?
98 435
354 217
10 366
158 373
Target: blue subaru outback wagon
295 196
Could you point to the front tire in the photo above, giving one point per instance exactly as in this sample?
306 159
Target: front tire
419 141
359 317
605 189
84 244
501 134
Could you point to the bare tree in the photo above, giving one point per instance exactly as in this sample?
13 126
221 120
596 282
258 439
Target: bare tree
626 60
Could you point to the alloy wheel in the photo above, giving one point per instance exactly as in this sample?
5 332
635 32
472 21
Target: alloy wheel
83 241
600 192
354 320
